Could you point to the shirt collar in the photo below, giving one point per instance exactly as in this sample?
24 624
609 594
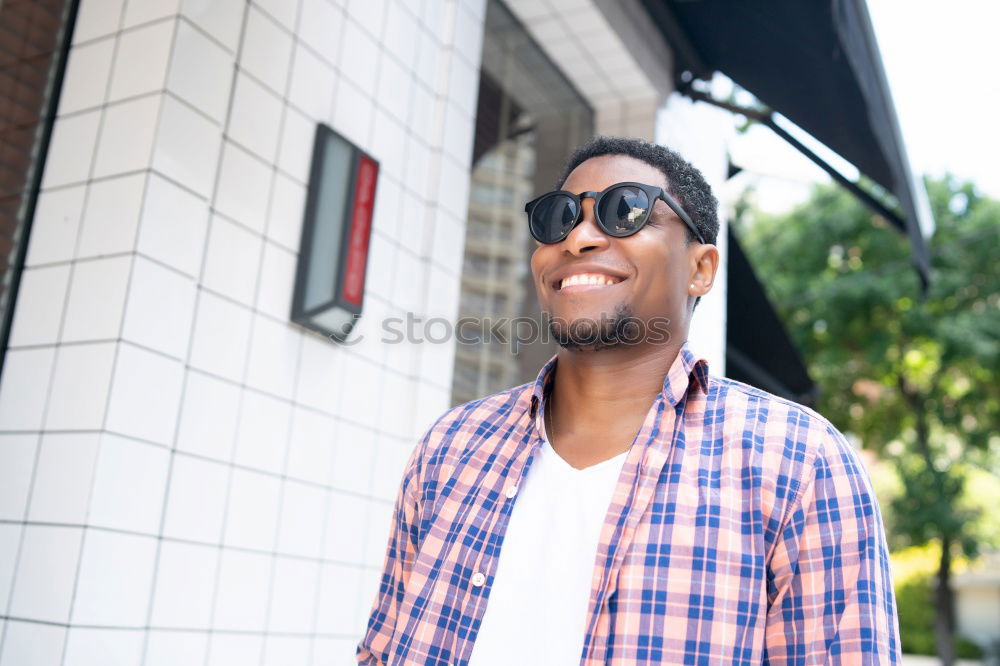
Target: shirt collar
687 369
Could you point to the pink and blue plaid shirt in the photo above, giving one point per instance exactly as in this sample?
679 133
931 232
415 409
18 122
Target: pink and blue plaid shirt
743 530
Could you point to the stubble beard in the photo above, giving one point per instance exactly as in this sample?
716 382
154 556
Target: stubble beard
585 334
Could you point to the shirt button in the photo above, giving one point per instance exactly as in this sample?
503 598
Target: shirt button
510 492
478 579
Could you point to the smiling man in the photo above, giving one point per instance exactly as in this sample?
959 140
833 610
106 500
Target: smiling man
629 507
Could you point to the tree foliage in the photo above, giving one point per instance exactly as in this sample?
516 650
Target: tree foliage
841 279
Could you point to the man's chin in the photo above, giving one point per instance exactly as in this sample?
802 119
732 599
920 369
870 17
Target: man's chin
596 333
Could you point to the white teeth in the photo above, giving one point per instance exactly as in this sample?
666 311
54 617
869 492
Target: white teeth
587 278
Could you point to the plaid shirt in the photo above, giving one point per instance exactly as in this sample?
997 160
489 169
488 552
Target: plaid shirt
743 530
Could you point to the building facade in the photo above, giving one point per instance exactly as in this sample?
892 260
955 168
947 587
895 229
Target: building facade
186 475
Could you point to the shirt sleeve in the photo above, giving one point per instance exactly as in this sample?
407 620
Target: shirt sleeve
830 593
401 551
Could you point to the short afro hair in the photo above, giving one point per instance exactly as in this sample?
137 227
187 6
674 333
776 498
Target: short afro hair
684 182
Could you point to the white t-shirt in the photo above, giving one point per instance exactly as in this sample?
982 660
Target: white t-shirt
537 608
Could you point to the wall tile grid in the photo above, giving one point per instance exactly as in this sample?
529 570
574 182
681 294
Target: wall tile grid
186 476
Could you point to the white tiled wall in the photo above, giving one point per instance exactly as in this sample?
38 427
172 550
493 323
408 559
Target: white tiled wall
613 54
185 476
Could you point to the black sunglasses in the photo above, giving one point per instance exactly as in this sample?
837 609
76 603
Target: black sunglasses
621 210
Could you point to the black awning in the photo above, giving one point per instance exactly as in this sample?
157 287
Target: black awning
817 64
758 349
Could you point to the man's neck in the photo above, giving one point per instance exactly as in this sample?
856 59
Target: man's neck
600 399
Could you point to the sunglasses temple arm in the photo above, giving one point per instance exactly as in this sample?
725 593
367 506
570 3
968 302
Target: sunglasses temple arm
681 213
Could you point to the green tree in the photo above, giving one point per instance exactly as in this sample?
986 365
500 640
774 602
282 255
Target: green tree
914 378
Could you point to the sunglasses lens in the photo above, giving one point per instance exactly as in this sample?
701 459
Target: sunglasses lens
553 217
623 210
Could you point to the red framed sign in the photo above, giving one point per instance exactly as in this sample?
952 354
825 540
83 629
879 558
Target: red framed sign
336 230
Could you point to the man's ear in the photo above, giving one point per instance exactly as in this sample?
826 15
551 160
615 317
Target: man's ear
704 266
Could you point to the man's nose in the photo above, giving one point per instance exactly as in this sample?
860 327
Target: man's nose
587 235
